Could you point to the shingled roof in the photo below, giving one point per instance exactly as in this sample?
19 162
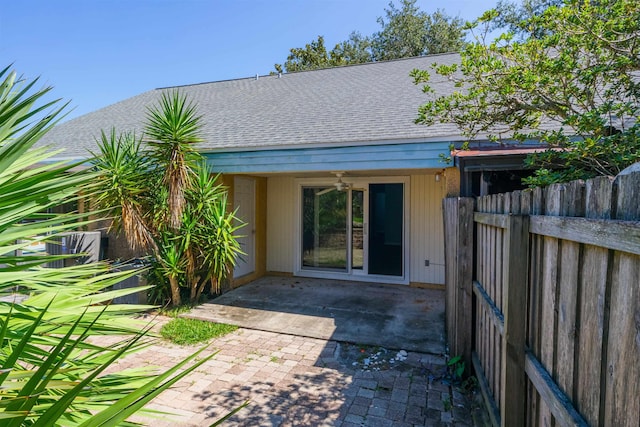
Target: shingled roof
351 105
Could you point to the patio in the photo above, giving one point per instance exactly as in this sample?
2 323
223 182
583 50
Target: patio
391 316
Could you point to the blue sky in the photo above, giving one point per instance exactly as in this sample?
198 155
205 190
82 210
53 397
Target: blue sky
97 52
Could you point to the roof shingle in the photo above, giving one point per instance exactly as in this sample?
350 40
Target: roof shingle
351 105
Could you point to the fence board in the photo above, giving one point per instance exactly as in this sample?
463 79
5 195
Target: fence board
483 263
493 220
487 305
537 208
622 393
486 325
548 322
495 266
512 375
623 349
493 410
568 293
616 235
559 403
458 223
592 306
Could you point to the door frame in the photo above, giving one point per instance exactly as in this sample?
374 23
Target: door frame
359 183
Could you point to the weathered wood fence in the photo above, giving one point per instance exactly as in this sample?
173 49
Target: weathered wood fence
543 299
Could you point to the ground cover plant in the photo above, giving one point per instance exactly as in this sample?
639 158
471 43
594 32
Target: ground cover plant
183 331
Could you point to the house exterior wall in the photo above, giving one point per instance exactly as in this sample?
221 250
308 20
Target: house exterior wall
280 224
427 239
426 228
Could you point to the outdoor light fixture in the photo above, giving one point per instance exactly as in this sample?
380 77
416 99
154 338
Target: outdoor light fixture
340 186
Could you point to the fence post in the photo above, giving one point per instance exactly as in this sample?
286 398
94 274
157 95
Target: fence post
458 241
516 268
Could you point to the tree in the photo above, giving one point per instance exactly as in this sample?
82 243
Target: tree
513 16
311 57
50 372
167 201
354 50
408 32
580 74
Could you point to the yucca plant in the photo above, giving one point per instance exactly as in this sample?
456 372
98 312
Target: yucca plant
51 371
166 200
172 130
210 227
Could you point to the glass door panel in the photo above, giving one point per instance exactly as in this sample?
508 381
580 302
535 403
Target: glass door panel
386 229
324 228
357 229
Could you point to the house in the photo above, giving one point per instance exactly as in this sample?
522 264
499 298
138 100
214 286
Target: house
327 168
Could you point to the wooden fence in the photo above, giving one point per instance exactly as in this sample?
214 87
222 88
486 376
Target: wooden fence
543 299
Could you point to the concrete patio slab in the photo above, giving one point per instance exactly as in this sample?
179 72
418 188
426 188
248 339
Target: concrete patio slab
390 316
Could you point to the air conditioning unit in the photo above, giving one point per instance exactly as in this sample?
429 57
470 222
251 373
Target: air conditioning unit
131 282
86 243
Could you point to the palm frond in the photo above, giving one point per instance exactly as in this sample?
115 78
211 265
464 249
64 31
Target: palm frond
51 373
172 131
121 186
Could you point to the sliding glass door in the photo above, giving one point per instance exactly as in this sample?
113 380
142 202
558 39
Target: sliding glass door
324 228
356 231
385 229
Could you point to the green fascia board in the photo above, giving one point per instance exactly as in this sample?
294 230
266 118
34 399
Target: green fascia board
420 155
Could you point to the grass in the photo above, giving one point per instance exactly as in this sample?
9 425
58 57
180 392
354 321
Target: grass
191 331
175 311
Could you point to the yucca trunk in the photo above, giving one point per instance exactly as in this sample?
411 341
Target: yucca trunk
175 291
176 179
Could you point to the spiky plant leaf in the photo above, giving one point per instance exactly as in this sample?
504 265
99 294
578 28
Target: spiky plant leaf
52 371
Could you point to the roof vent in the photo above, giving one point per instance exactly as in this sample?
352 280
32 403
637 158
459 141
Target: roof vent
257 76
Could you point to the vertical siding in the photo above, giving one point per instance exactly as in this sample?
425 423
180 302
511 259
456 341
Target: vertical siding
427 237
280 224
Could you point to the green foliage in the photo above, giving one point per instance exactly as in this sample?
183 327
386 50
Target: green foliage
51 371
355 50
183 331
123 168
408 32
405 32
456 368
174 312
211 229
314 55
172 130
513 17
578 73
174 207
159 292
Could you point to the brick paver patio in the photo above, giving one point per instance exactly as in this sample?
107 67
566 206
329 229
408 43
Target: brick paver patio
297 381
